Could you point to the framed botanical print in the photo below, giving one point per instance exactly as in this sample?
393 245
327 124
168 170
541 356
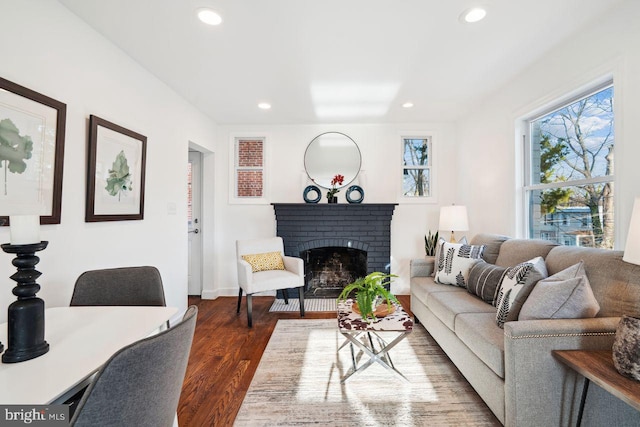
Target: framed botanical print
32 131
116 169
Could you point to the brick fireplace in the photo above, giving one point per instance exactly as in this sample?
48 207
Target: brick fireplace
363 228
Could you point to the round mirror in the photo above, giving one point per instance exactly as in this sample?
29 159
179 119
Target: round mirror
330 154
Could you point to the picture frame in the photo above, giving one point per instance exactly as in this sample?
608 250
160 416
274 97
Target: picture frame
115 172
32 136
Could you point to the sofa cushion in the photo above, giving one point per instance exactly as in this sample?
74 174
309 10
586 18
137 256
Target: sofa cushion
447 305
565 295
515 287
516 251
480 333
422 287
484 280
454 262
615 283
492 244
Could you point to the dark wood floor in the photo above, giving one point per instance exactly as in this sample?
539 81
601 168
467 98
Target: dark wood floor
224 356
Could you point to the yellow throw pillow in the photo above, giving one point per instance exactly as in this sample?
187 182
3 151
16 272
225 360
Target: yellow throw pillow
265 261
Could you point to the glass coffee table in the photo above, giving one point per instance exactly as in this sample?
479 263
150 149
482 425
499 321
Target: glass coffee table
367 336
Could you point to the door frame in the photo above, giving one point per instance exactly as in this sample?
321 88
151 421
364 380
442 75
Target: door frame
195 246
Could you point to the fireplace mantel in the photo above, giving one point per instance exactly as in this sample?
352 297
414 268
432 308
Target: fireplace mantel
365 226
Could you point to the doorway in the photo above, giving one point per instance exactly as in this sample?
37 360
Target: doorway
194 222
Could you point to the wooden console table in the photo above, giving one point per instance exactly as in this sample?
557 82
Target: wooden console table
597 366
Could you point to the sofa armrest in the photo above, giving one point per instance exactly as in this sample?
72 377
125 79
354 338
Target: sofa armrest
539 390
421 267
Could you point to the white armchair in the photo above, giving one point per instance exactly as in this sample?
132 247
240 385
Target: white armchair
270 280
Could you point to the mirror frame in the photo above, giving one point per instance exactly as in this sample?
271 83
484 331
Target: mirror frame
348 179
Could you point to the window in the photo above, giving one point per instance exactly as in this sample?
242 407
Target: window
569 154
417 166
249 167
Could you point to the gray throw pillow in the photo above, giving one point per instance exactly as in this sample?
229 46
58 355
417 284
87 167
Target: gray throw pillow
565 295
517 283
484 280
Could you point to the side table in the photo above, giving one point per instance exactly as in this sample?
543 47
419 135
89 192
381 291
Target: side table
597 366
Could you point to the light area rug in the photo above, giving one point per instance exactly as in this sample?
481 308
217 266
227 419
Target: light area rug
298 383
310 304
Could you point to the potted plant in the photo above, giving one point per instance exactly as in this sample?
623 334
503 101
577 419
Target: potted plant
430 243
430 249
331 194
370 292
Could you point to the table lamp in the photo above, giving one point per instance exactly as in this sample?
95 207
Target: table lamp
626 345
453 218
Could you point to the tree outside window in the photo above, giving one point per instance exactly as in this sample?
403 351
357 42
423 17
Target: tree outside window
571 189
416 167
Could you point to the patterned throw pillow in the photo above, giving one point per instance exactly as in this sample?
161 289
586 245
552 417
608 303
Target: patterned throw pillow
442 241
565 295
264 262
484 280
455 261
515 287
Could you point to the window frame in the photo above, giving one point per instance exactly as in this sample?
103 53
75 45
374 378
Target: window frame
431 138
527 188
234 167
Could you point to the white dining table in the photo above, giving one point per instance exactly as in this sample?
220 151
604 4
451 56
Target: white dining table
81 339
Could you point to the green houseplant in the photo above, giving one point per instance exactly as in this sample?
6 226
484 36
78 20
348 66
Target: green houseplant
367 290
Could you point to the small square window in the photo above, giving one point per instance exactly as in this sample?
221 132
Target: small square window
416 166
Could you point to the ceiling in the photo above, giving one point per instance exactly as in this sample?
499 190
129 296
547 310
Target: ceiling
336 61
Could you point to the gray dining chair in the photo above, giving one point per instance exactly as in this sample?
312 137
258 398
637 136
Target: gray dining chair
119 286
140 385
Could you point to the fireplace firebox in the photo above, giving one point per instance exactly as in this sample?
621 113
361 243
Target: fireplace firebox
329 269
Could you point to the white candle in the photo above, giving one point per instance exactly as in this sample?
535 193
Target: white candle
25 229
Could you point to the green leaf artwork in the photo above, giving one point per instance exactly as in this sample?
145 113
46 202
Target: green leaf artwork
14 149
119 181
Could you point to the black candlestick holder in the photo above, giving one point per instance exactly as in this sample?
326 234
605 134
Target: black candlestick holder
25 332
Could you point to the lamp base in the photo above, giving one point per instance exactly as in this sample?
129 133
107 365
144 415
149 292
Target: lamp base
626 347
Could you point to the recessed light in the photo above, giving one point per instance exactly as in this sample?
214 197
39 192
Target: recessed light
264 106
407 105
474 14
209 16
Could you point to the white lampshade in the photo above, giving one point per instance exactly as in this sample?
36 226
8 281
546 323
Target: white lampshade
632 248
454 218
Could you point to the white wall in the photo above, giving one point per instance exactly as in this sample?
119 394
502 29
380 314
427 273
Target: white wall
381 150
48 49
487 138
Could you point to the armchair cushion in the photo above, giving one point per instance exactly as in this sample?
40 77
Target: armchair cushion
265 261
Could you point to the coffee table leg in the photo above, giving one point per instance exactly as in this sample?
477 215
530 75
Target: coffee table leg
374 356
383 344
